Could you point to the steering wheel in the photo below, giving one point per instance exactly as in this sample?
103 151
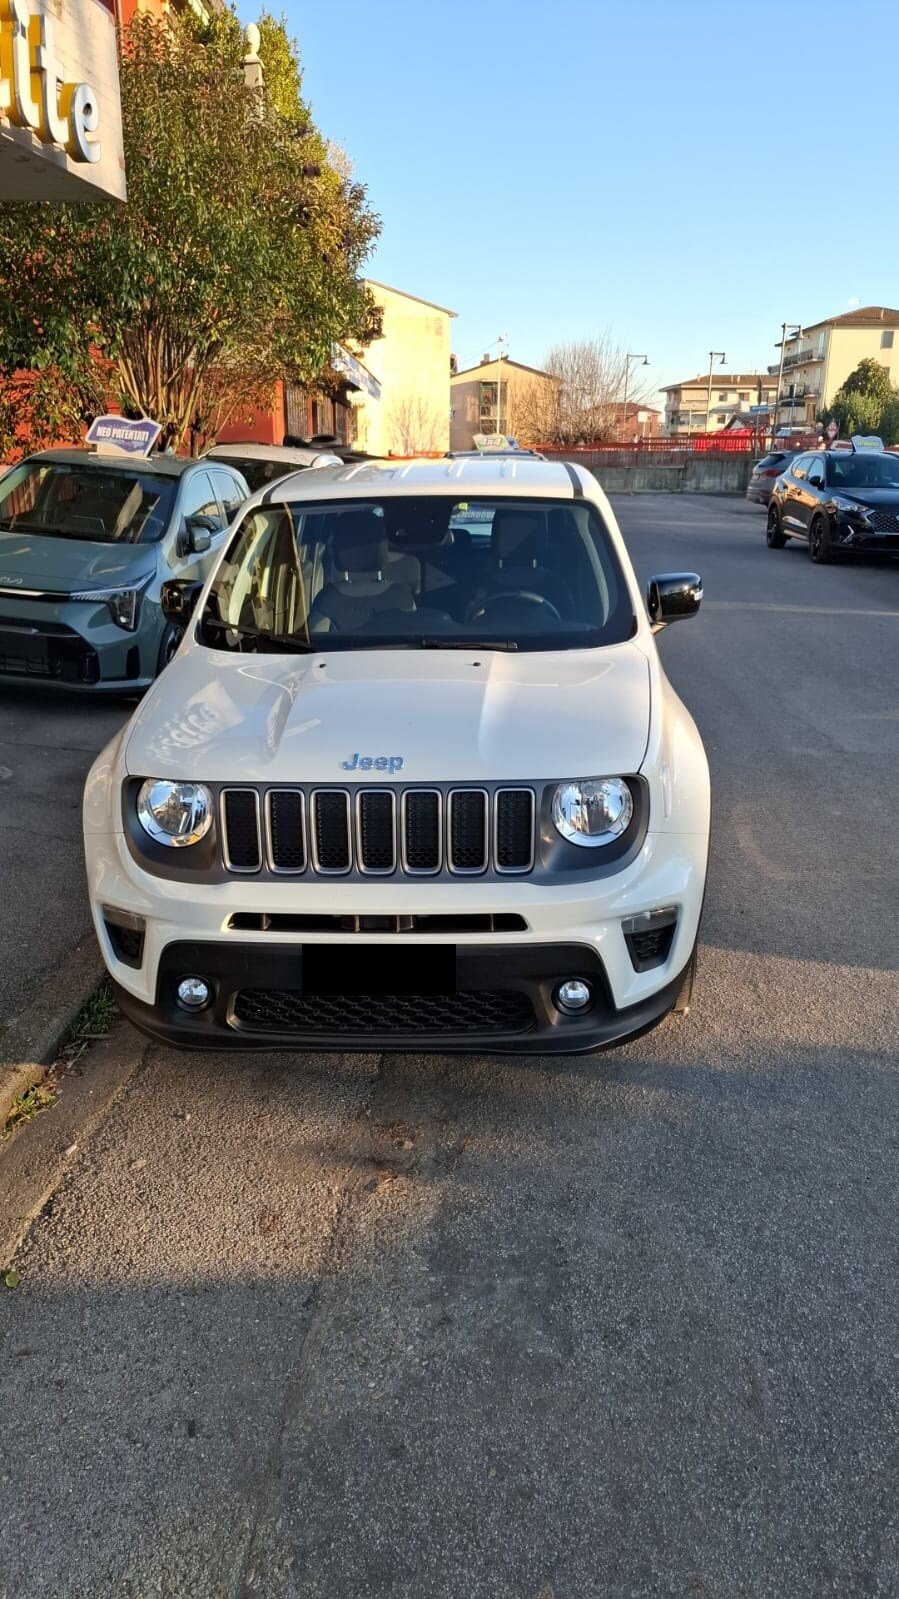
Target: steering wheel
550 612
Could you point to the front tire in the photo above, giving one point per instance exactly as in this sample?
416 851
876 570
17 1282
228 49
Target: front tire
775 535
168 646
820 547
681 1006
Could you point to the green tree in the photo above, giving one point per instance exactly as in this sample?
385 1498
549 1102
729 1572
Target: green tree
236 259
864 400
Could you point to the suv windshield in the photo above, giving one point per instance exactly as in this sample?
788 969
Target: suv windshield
860 471
419 573
102 504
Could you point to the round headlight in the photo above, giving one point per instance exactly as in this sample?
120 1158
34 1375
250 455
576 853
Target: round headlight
174 813
593 810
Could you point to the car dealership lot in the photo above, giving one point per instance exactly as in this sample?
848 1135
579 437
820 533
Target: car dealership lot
618 1325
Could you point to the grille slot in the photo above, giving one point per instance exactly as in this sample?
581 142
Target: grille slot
513 842
331 844
467 830
376 822
240 831
422 831
282 1010
286 829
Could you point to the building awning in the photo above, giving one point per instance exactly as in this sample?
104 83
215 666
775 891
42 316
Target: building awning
357 375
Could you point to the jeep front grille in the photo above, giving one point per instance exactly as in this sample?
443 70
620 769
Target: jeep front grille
377 832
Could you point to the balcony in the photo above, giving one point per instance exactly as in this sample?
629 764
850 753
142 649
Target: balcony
800 358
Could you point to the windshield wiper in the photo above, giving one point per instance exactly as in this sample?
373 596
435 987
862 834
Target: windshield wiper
464 644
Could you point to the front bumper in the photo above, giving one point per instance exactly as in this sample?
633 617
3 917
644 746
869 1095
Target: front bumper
501 1000
75 646
574 930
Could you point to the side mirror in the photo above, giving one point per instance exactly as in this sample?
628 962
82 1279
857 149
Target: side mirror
671 596
197 534
178 600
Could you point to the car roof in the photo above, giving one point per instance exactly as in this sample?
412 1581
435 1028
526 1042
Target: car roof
497 475
163 465
289 453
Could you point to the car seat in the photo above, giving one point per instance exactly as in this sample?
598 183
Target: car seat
518 540
363 585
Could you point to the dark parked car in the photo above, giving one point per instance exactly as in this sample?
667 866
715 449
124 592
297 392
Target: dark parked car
765 472
838 500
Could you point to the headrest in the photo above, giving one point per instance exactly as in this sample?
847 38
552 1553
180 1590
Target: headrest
360 542
516 536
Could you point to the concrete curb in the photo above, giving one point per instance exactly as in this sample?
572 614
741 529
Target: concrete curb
31 1041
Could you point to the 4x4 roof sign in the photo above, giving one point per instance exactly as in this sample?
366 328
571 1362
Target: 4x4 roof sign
119 435
870 441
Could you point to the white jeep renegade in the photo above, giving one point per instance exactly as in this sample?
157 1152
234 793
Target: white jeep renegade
415 778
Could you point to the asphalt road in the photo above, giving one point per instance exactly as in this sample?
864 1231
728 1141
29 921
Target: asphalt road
47 745
621 1326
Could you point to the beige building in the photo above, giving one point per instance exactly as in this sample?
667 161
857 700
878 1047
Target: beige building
818 360
733 394
526 396
60 108
410 364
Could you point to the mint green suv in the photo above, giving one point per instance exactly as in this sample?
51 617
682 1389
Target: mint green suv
86 542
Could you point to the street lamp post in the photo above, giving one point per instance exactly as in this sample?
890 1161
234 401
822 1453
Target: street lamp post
708 409
627 372
501 339
794 327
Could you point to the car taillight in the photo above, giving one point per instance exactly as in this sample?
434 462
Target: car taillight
771 471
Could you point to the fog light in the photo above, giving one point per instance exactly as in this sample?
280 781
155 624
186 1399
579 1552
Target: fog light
193 993
573 995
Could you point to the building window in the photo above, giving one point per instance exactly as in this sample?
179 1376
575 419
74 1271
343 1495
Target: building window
744 394
886 340
723 396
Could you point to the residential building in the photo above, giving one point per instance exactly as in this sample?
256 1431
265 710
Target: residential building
636 423
527 401
818 360
410 366
392 400
691 407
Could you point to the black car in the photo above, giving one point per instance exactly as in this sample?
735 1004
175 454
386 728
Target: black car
838 500
765 472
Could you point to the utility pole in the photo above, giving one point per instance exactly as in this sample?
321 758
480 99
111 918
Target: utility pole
627 372
797 327
708 409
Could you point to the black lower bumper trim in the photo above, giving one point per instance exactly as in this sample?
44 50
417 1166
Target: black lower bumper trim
509 990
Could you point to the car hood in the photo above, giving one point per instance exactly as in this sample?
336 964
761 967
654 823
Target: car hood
444 715
872 497
61 566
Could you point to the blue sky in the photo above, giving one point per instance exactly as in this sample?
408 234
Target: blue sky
550 171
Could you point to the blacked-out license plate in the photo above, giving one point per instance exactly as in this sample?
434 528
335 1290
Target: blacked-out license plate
379 969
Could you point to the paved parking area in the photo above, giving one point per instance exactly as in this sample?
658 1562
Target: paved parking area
524 1329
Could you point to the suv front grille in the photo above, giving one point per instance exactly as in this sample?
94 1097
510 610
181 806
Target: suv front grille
419 832
885 521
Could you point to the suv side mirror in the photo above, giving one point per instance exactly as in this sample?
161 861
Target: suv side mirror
178 599
197 533
671 596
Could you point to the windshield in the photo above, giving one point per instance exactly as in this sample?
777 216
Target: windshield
861 471
259 473
102 504
419 573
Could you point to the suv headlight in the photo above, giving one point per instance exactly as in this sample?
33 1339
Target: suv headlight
175 814
592 810
123 604
850 508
